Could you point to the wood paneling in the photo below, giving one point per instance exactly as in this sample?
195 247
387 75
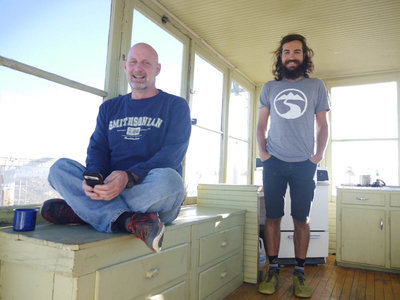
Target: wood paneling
238 197
349 37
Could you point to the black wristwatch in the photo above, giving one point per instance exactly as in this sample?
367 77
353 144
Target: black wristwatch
131 180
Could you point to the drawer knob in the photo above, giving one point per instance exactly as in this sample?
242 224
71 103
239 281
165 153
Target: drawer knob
362 198
223 274
224 244
152 273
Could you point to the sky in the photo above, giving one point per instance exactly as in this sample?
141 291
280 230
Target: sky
39 118
68 38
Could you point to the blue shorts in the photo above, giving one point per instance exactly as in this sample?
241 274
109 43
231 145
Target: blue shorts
300 176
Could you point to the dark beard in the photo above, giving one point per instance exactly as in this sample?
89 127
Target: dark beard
293 74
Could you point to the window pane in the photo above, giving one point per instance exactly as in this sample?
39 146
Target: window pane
38 123
365 157
170 58
239 112
364 111
237 162
68 38
24 181
202 159
207 97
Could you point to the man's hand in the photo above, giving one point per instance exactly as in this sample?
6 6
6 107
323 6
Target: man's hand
316 158
113 185
264 156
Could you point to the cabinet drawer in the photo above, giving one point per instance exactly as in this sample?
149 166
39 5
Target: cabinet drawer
218 244
215 277
363 198
135 277
219 225
395 199
175 292
318 246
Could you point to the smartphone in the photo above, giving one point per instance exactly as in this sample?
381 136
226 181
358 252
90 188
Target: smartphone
93 178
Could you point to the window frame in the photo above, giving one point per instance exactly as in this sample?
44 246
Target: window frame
361 80
121 18
251 147
6 212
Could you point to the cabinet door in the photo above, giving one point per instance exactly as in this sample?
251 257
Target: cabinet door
395 238
363 235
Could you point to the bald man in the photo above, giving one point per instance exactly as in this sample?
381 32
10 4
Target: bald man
136 151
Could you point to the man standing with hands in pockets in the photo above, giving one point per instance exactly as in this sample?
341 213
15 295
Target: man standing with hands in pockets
289 108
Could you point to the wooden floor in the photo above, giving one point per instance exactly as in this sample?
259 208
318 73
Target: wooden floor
329 281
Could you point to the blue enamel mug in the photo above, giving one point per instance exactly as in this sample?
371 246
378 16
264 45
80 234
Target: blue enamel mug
24 219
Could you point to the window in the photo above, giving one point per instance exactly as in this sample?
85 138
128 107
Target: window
238 140
40 120
204 154
364 133
171 57
68 38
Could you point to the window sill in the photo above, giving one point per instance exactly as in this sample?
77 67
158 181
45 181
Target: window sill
7 214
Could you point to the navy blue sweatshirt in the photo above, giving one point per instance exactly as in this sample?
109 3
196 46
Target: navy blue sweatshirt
140 135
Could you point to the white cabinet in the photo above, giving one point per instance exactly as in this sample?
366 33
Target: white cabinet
217 252
318 213
368 228
363 230
238 197
250 198
202 257
138 277
77 262
317 249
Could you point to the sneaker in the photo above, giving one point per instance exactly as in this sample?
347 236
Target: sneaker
147 227
301 289
269 285
57 211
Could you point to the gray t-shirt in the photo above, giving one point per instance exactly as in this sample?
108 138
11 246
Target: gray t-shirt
292 107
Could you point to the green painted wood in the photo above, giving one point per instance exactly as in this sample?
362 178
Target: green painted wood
77 262
368 228
395 239
140 275
239 197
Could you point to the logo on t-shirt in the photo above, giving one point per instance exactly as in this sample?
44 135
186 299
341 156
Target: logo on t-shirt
290 103
131 128
132 131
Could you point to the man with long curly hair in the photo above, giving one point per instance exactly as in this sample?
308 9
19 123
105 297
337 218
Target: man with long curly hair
288 107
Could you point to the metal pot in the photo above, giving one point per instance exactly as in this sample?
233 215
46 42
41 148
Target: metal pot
365 180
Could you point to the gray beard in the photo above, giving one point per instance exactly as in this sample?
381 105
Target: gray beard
138 86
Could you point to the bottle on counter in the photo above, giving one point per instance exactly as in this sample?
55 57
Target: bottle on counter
262 259
376 176
350 177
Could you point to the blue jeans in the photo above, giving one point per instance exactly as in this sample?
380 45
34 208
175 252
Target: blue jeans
161 191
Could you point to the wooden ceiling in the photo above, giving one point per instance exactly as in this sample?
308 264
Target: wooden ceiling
349 37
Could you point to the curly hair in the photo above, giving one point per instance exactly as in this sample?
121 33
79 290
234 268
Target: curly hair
307 67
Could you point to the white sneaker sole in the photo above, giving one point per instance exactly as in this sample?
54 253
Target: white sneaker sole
157 239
